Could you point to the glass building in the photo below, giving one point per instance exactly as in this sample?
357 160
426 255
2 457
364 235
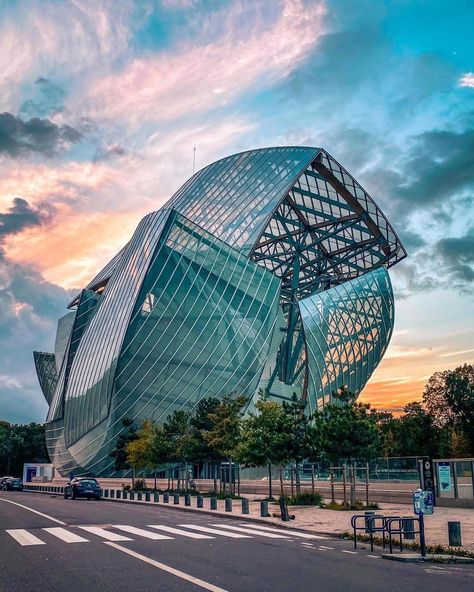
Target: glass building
266 270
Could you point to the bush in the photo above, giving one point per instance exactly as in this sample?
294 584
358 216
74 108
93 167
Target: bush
304 499
126 487
140 485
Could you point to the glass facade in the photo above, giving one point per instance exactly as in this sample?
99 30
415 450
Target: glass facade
267 269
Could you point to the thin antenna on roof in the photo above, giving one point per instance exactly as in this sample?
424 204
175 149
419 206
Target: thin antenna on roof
194 158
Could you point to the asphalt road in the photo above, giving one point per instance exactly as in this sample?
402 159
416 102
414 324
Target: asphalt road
73 555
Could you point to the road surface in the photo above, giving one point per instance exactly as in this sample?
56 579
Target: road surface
51 544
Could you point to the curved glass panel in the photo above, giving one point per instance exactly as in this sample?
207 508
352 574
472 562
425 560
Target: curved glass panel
45 365
347 331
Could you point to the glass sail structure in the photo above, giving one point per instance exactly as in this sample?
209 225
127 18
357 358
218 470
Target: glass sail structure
267 269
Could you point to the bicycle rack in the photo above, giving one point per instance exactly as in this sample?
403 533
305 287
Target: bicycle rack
401 529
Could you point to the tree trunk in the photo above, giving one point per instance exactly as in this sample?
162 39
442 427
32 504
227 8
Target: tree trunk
270 492
281 481
214 466
312 477
292 481
133 477
298 480
154 479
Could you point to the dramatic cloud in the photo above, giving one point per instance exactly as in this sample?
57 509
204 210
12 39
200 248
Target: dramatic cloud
457 255
208 75
18 217
36 135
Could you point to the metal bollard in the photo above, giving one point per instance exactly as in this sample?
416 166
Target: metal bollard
176 498
454 534
139 496
106 493
156 497
408 525
228 504
166 497
147 496
264 509
213 502
187 500
119 494
367 514
112 494
125 494
245 505
132 495
200 501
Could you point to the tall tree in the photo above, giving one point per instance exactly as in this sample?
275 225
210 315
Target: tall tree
224 434
263 438
295 431
177 431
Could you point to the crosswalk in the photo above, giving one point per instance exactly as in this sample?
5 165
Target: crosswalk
42 536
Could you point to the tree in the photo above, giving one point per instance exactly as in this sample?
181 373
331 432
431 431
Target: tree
263 438
224 433
349 432
176 430
200 423
119 453
20 443
139 450
449 399
296 435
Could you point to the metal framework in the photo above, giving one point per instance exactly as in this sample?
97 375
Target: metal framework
267 269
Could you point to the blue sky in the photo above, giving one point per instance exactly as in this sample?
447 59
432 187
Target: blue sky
103 102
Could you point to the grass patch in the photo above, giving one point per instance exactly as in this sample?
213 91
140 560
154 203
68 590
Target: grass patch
344 507
304 499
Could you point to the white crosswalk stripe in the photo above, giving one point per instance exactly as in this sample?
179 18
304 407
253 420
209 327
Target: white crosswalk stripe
105 534
231 535
191 535
296 533
140 532
24 537
267 535
65 535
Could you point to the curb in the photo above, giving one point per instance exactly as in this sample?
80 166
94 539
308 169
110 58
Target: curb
231 516
413 558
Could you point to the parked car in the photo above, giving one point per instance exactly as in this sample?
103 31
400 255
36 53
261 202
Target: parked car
82 487
11 484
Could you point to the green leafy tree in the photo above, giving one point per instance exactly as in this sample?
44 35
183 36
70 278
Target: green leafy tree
263 438
199 450
177 431
139 450
20 443
349 432
223 436
297 444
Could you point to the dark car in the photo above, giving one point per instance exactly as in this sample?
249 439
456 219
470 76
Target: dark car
82 487
11 484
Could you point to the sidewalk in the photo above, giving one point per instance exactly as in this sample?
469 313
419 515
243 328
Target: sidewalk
333 523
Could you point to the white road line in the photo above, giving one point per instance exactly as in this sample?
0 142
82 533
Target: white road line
65 535
34 511
295 533
326 548
231 535
24 537
105 534
140 532
374 556
191 535
267 535
350 552
168 568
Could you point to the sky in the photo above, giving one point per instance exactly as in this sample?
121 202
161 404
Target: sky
103 101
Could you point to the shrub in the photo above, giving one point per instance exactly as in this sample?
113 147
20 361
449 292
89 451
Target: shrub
140 485
304 499
355 506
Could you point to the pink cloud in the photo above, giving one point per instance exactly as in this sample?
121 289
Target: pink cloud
204 76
